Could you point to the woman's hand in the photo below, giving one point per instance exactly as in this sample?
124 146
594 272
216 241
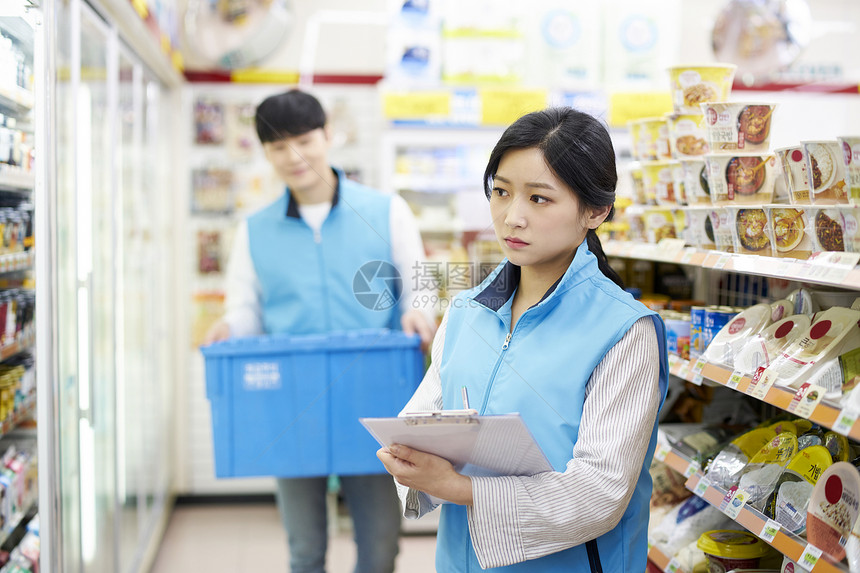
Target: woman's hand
425 472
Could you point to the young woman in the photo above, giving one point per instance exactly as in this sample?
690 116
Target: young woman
549 334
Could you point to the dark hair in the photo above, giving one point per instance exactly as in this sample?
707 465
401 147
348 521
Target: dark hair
578 149
288 114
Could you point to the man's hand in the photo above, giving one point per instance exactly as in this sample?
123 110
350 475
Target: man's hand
218 332
414 322
426 472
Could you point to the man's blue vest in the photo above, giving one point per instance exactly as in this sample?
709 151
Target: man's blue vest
542 373
308 282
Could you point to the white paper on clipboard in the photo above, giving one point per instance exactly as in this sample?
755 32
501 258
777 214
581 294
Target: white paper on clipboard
476 445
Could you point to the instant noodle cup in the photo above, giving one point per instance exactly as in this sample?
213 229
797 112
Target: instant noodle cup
692 85
733 126
687 135
826 172
788 230
761 349
851 161
696 188
792 161
650 138
659 181
659 224
722 229
826 226
741 179
700 231
751 231
728 549
833 509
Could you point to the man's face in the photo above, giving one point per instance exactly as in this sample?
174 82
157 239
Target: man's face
301 161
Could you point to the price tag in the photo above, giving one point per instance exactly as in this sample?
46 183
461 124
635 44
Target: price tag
697 372
691 470
702 487
845 421
739 499
660 453
807 397
764 383
721 262
687 257
674 566
728 498
673 361
684 370
769 531
810 556
734 380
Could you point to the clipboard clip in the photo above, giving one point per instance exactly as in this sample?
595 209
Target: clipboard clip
469 416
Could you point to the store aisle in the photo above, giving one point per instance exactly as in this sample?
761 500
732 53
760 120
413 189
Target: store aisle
249 537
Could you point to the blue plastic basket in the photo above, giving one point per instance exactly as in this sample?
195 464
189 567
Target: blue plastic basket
288 406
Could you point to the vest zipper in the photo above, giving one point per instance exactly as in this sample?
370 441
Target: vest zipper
323 284
505 345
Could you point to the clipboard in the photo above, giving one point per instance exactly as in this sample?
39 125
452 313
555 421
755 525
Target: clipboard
476 445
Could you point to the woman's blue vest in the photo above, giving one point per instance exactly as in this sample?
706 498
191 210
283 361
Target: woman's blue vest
542 373
338 280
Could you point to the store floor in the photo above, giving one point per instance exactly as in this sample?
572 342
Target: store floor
249 537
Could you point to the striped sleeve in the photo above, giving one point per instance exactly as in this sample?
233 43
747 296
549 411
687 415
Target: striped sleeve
514 519
428 396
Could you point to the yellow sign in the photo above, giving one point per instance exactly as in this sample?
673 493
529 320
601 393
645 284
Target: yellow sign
261 76
502 107
418 105
627 106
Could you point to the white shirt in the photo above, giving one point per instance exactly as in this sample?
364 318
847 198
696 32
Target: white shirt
244 312
514 519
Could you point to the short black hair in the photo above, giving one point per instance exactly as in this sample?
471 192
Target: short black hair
288 114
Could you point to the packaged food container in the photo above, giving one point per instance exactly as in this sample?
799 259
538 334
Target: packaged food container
741 179
851 161
687 135
850 227
826 227
788 231
833 508
635 216
790 498
659 224
727 549
729 340
679 183
677 333
716 317
680 220
721 225
658 179
640 197
693 85
762 348
792 162
738 126
697 325
751 231
696 188
650 139
826 172
700 231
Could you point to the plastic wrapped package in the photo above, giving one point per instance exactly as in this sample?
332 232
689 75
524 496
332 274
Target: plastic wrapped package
701 445
734 335
766 466
790 498
685 523
668 486
762 348
726 468
833 509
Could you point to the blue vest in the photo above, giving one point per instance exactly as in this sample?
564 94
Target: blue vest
308 282
542 373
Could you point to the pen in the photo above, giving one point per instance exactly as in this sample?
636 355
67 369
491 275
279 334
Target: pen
465 399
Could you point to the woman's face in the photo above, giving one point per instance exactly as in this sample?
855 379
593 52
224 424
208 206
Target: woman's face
538 219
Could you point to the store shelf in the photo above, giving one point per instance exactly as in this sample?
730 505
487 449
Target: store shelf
10 350
676 460
663 561
16 99
17 180
16 262
832 269
823 414
786 543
